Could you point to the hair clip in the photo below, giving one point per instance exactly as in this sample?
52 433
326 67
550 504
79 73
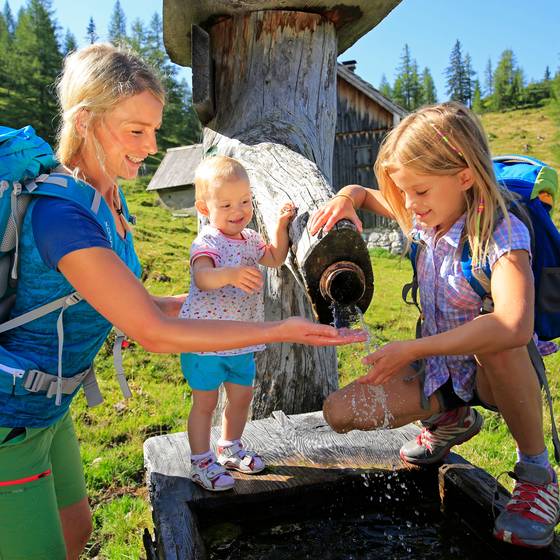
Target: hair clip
447 141
480 208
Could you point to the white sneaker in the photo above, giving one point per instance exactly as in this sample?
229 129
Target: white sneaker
211 475
234 457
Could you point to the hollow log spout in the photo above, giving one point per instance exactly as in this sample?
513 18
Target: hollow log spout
274 109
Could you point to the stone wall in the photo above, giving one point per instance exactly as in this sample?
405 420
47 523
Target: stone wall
390 238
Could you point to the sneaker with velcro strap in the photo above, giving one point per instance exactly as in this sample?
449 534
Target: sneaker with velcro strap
212 476
235 457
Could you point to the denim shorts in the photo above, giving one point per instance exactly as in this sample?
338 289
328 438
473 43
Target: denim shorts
207 372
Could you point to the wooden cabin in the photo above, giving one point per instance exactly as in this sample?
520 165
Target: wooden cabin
364 116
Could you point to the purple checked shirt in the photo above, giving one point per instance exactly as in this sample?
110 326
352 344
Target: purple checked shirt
448 300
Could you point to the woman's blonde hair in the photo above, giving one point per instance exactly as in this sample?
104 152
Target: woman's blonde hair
95 79
215 170
444 139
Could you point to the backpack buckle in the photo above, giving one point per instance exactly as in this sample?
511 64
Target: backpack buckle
35 380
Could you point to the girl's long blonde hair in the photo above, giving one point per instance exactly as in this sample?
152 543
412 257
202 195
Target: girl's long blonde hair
96 78
444 139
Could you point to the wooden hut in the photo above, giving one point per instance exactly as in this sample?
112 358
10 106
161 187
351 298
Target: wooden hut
174 179
364 115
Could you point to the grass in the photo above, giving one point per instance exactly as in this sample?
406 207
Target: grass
112 434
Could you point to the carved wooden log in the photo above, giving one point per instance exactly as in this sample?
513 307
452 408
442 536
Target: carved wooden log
275 111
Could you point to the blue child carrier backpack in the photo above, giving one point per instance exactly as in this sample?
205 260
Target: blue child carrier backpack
28 168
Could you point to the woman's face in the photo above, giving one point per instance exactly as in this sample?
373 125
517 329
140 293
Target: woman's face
127 134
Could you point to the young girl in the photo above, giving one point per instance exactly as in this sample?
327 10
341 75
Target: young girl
436 179
226 285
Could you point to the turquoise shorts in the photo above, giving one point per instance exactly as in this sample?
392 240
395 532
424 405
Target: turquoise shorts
40 473
208 372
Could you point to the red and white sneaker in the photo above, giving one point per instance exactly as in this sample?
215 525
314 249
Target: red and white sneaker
234 457
436 439
533 511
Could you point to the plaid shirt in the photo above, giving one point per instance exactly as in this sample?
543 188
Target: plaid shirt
447 298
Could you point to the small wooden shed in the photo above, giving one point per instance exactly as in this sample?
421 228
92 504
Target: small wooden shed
364 116
174 178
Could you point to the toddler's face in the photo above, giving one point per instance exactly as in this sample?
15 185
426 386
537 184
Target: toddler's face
435 201
230 207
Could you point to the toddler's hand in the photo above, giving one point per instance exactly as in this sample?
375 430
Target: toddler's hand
246 278
287 213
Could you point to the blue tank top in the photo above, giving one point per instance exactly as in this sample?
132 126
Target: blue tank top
35 344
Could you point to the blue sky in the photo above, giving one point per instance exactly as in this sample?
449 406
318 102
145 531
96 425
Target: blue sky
430 27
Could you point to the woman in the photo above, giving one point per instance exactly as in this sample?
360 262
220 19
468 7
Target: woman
112 106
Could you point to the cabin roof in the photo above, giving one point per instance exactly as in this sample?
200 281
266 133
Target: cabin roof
366 88
177 167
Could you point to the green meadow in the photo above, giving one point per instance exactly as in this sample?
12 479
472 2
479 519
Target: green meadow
112 434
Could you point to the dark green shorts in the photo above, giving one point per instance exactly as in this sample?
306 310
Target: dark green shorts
40 473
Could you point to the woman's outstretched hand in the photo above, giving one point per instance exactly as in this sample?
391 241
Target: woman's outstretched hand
302 331
387 361
336 209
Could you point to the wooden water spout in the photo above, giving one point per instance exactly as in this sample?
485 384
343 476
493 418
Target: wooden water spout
264 86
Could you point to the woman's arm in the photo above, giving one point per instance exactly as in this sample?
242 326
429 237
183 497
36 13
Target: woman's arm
107 284
509 326
344 207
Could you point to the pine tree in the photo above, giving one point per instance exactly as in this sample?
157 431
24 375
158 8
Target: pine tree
468 80
117 25
429 94
70 44
9 18
180 125
407 90
5 48
457 76
91 32
36 64
506 83
385 87
547 74
477 105
488 79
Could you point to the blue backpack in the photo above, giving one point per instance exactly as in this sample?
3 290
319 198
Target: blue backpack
28 168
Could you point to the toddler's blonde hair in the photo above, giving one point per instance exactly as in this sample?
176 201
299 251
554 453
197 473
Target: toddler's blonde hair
215 170
444 139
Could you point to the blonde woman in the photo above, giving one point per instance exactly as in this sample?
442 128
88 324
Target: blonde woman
111 105
436 179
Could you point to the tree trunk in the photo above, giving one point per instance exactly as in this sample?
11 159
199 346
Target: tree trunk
275 111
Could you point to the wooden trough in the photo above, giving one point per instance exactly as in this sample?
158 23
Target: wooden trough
312 470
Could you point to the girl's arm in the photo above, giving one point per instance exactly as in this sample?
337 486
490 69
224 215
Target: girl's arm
344 206
509 326
277 251
107 284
